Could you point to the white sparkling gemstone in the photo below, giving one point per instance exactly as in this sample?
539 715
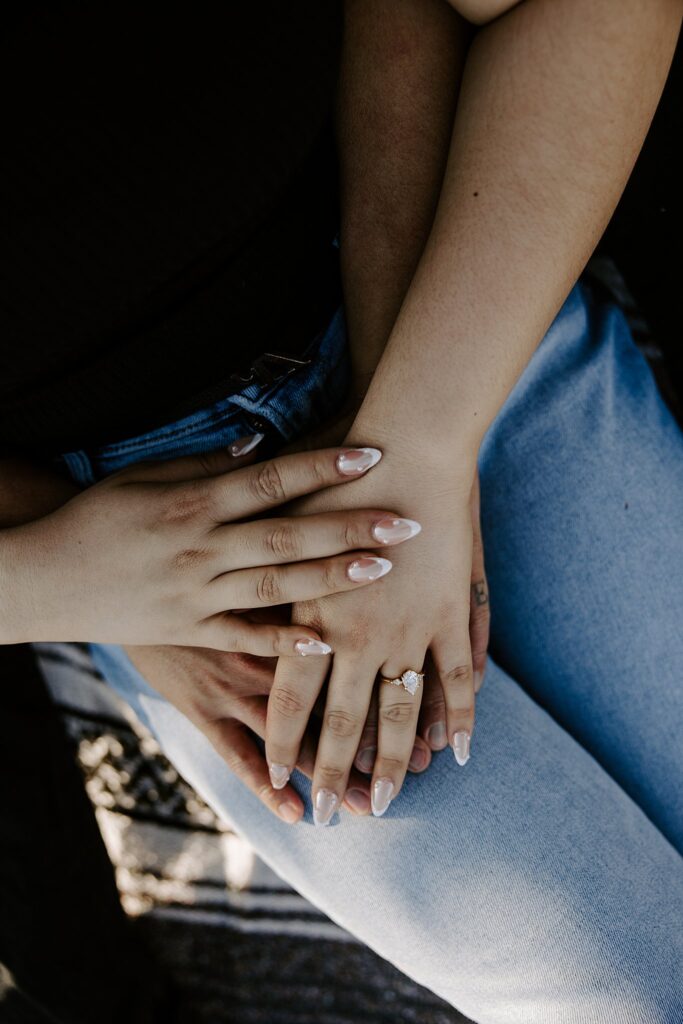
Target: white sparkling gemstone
411 681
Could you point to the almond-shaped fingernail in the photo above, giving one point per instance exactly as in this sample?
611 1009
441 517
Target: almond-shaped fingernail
437 736
308 646
355 461
382 793
324 806
245 444
394 531
279 775
289 813
461 746
364 569
478 680
365 761
358 801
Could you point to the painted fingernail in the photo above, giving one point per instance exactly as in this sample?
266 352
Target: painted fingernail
478 679
393 531
436 735
289 813
308 646
324 806
358 800
355 461
364 569
461 747
365 761
245 444
382 792
279 775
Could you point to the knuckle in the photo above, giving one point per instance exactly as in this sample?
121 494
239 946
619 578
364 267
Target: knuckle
351 535
286 702
266 483
387 765
283 541
190 558
185 503
320 471
341 723
396 713
434 706
330 577
265 794
268 588
456 676
331 773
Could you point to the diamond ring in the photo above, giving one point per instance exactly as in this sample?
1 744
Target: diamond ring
410 681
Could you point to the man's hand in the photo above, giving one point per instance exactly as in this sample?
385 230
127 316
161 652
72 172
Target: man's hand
225 696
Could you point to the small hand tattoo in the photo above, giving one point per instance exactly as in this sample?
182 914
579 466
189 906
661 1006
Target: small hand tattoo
479 593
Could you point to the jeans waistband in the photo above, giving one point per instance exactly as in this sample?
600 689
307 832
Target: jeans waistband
293 399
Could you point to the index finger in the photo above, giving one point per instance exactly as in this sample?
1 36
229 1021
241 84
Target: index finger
252 490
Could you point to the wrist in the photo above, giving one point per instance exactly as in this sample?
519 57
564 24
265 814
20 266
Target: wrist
407 447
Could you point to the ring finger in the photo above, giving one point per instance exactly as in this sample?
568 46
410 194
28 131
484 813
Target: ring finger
398 712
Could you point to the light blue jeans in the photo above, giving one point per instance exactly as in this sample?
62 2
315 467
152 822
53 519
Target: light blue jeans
543 883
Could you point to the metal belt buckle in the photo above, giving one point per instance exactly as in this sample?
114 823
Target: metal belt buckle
271 367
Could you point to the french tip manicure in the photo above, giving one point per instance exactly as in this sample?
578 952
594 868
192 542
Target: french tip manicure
279 775
394 531
245 444
381 797
307 646
461 747
365 570
354 461
324 806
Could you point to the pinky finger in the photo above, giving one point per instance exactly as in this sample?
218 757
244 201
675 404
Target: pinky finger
229 632
239 750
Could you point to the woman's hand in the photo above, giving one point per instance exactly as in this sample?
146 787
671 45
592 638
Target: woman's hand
225 696
160 554
423 606
432 725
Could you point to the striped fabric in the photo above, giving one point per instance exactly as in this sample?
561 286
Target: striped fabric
239 942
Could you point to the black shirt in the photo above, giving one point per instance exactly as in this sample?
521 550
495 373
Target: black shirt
170 179
171 199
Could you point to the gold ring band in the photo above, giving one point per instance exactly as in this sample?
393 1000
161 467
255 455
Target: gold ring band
410 681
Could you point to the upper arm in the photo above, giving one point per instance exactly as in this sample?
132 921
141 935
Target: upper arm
479 12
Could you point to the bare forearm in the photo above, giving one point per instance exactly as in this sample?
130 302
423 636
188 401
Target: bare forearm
401 67
555 102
